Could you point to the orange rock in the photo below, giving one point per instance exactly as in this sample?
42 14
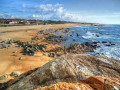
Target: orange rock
67 86
94 82
102 83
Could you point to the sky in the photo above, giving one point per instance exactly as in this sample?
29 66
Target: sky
94 11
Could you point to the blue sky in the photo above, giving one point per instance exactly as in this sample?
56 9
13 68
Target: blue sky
96 11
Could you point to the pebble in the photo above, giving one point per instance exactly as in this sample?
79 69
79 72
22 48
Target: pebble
4 46
44 54
20 58
73 39
15 74
32 54
14 51
9 42
3 42
8 45
52 54
3 77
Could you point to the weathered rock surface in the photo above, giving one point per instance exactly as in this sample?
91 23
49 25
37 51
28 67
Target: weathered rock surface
30 48
92 83
67 86
67 68
78 48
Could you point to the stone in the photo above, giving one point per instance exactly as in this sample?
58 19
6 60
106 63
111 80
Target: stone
15 74
3 77
44 54
61 36
3 41
14 51
117 87
73 39
104 41
30 48
77 35
58 54
112 44
52 54
43 49
95 42
79 48
20 58
9 46
87 44
97 35
33 54
71 35
4 46
9 42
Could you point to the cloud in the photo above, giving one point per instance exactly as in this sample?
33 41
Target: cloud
50 11
58 12
6 16
24 5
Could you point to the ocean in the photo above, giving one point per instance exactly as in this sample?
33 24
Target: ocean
108 37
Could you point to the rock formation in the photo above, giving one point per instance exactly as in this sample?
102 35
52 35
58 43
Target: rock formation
92 83
78 48
70 69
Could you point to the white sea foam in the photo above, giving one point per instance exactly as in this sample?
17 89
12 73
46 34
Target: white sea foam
90 35
113 52
108 33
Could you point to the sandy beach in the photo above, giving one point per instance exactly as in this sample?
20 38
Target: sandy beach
10 62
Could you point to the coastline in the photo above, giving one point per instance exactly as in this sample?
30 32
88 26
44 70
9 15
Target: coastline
40 27
13 59
12 63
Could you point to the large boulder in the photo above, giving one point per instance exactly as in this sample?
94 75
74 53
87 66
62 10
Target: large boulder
67 68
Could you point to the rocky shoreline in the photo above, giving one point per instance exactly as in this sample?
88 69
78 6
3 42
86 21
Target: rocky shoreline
68 65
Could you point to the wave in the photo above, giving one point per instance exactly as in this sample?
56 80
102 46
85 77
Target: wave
113 51
89 35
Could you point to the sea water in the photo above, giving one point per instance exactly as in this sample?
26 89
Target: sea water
106 33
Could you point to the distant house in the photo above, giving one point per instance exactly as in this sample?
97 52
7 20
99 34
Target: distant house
45 23
10 22
25 22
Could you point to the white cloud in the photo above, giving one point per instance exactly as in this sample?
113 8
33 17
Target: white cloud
58 4
6 16
24 5
37 16
50 11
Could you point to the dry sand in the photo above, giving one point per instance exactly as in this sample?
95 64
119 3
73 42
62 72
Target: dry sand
40 27
9 62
